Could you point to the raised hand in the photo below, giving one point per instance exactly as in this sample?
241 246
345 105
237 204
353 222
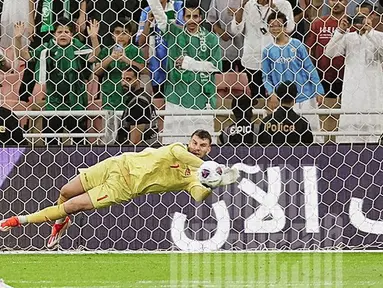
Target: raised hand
19 29
94 27
151 17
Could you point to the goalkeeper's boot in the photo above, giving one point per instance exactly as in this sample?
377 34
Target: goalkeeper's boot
9 223
57 232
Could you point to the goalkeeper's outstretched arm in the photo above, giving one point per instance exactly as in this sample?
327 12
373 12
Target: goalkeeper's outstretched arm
181 153
199 192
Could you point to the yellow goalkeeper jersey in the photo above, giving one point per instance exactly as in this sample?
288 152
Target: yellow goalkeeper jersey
169 168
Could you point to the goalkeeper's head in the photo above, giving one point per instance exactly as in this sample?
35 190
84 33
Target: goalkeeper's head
200 143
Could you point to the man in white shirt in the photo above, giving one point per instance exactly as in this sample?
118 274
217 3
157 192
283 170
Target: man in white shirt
220 15
251 20
363 78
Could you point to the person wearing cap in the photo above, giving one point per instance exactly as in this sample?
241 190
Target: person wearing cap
284 126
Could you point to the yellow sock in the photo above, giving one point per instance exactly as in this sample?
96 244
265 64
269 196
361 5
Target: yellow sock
48 214
61 200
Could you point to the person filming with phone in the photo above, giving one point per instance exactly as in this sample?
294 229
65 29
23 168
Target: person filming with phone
114 60
251 20
362 47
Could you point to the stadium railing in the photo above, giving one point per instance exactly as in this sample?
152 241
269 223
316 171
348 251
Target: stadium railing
106 135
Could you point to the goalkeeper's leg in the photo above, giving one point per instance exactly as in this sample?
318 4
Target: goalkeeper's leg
76 204
73 188
68 191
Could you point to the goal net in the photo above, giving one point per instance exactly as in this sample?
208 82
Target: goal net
289 90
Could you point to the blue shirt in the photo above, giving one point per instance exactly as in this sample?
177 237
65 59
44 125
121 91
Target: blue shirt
157 63
291 62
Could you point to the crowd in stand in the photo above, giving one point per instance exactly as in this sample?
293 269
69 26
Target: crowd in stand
165 55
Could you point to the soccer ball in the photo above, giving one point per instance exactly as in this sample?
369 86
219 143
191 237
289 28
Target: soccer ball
210 174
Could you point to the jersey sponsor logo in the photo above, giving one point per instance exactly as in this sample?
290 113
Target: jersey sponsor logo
285 60
175 166
327 30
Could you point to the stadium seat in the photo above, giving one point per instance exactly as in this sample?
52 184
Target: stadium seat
232 84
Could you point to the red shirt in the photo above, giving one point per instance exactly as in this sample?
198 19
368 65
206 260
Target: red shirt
320 34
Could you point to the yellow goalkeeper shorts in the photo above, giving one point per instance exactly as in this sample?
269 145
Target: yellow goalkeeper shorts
105 184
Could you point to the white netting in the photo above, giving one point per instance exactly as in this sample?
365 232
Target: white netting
133 75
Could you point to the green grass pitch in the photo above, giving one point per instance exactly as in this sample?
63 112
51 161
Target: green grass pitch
193 270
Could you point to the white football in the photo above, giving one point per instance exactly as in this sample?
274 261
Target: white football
210 173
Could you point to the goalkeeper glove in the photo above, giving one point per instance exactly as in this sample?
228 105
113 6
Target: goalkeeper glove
229 175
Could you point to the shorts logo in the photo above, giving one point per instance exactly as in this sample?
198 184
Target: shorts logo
102 198
187 172
175 166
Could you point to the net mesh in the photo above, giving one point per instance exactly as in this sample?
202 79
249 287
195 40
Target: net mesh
121 74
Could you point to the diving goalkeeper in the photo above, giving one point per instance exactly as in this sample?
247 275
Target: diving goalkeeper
122 178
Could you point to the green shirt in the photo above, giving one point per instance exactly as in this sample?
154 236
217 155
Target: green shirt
65 71
112 93
187 88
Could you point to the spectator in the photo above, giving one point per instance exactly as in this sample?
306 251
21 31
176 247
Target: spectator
243 130
10 131
108 12
330 70
298 12
5 64
14 11
367 9
362 86
287 60
61 65
114 60
284 126
194 57
41 31
220 15
305 12
139 119
250 19
150 39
